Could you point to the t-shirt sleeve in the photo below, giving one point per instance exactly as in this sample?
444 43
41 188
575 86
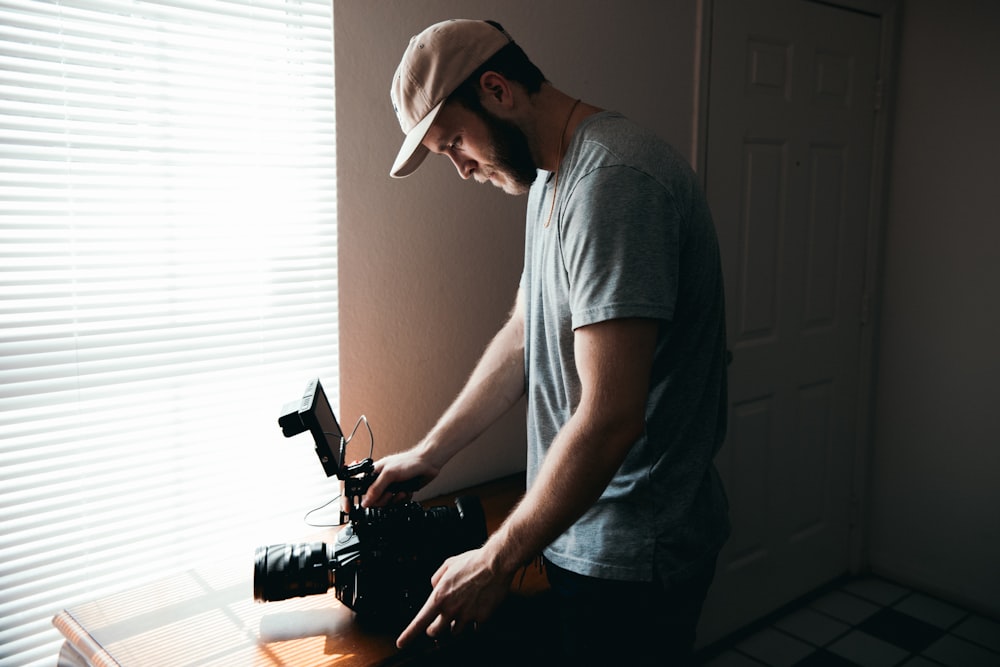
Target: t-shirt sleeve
619 241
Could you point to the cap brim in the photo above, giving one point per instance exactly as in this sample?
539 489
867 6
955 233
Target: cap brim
413 150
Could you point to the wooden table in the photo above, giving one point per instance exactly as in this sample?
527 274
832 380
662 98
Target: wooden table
207 618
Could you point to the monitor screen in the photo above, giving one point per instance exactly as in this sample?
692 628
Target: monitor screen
318 417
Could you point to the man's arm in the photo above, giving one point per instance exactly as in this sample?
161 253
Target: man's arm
614 361
496 383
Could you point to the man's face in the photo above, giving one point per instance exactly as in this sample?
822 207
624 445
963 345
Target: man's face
484 147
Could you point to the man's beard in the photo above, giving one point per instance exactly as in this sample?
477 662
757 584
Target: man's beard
510 153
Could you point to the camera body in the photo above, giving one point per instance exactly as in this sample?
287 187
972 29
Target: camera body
381 562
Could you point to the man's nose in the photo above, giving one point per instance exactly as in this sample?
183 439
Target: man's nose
464 166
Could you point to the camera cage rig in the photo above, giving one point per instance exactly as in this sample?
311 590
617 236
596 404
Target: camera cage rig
312 412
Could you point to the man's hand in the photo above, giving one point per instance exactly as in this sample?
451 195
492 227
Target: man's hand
466 592
402 467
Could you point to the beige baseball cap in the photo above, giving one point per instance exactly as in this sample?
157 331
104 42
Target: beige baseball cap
436 62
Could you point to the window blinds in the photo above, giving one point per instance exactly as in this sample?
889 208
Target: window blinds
167 282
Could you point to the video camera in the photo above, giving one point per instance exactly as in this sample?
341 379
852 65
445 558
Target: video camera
381 562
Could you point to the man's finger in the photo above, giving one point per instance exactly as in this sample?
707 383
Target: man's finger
377 495
371 497
440 627
438 573
419 624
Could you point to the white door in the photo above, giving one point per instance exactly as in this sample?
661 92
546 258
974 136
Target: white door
788 171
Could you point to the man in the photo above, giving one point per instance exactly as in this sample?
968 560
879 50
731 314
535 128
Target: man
617 337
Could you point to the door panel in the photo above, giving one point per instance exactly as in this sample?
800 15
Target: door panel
788 173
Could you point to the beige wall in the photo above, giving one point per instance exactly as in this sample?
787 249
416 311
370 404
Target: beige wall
429 264
935 510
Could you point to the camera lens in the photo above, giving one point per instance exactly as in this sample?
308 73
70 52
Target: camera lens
283 571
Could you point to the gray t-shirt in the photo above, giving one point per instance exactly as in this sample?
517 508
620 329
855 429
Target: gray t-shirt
631 236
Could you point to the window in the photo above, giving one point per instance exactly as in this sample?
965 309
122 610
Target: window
167 282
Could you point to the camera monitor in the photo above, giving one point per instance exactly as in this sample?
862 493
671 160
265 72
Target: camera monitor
313 413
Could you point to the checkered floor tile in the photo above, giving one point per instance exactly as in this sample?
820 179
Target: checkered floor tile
866 622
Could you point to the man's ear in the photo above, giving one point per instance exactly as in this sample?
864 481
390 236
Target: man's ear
495 89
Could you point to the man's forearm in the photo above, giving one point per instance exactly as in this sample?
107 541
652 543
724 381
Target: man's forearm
575 473
613 360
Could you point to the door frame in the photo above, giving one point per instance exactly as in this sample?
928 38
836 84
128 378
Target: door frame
889 13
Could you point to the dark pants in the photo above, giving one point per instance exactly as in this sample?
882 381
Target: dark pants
604 622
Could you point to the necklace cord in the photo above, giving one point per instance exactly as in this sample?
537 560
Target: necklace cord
555 185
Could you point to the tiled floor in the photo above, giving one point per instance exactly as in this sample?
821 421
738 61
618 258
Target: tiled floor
867 622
